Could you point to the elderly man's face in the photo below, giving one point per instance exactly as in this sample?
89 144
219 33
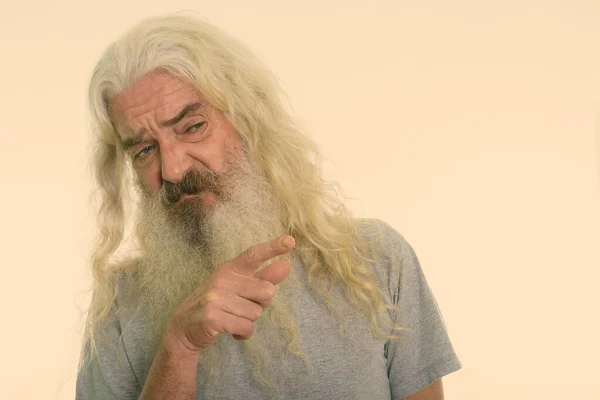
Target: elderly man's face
171 132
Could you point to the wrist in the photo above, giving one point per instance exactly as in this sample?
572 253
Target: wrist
173 344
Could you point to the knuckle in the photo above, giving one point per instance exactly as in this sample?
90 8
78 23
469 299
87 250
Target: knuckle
266 303
256 312
251 254
269 290
210 332
218 283
210 316
211 297
246 328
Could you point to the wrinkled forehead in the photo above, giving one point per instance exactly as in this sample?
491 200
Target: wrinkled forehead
158 96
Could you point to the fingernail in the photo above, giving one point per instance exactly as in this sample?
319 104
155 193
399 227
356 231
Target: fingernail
286 241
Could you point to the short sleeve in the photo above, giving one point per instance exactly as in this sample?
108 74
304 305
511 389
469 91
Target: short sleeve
108 373
425 354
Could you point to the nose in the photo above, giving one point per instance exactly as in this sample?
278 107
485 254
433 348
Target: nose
174 163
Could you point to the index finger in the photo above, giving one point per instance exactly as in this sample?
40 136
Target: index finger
250 260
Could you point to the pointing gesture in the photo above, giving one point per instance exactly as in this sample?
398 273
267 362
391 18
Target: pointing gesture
232 298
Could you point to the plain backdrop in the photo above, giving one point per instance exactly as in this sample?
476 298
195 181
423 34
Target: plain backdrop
470 126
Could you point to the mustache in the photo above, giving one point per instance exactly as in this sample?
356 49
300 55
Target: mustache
193 182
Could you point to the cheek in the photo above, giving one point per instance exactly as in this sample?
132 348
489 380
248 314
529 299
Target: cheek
208 154
149 178
230 152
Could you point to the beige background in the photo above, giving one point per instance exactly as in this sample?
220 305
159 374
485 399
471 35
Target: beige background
471 126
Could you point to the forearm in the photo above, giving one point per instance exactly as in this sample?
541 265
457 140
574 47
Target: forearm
172 374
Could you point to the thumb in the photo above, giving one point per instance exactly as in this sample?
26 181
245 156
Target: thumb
274 273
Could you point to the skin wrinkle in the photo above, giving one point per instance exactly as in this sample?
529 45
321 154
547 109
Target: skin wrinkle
269 167
135 109
184 239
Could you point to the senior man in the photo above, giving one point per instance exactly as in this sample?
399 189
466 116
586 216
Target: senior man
247 277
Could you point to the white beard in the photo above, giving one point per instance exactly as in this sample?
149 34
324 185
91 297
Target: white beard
177 256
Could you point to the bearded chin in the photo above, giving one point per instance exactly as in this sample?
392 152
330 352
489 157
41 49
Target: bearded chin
181 250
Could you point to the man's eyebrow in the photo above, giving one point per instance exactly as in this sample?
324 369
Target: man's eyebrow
137 138
131 141
184 111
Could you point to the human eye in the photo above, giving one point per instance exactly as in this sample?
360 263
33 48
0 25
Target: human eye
195 127
143 152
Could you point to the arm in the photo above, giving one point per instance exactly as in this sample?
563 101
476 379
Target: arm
172 374
230 301
435 391
425 353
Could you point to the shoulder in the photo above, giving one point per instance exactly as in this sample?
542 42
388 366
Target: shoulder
113 286
382 237
387 251
126 278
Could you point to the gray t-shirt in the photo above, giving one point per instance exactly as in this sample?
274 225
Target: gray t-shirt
351 366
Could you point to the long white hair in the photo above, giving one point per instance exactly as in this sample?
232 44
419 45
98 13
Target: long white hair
232 79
